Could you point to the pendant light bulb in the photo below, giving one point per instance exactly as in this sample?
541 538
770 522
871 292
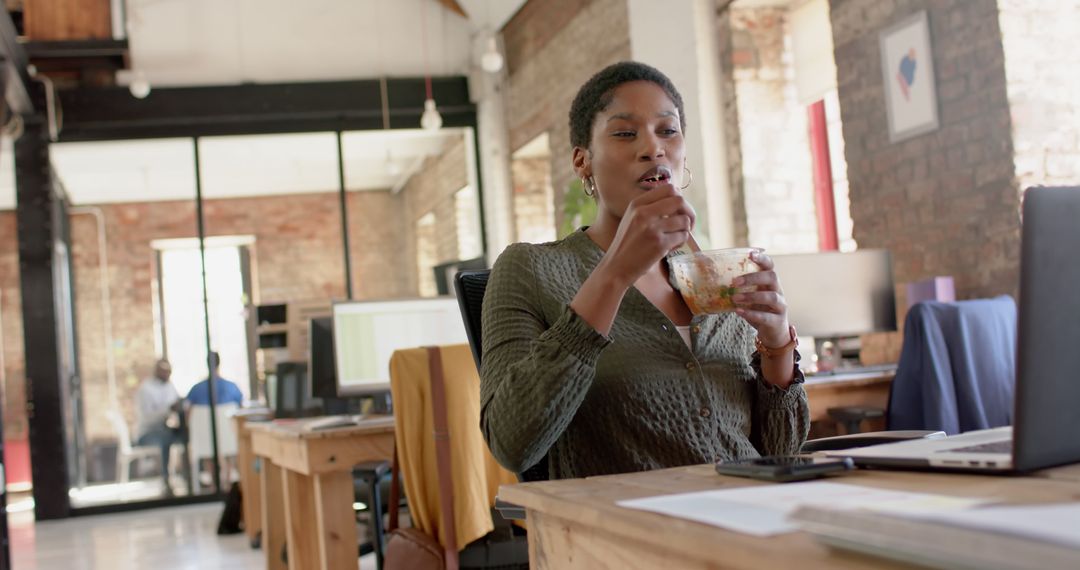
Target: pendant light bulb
431 120
492 60
393 169
139 86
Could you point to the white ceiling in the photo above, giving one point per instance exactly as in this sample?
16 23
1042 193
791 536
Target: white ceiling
204 42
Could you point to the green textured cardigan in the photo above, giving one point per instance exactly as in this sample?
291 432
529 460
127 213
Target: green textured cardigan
639 400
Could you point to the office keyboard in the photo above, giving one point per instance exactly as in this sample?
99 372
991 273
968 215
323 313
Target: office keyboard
331 422
992 447
852 370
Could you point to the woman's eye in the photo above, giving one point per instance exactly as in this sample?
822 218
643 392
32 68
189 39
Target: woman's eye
669 131
624 133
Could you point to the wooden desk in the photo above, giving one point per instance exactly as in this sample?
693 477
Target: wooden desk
867 389
307 489
250 483
575 523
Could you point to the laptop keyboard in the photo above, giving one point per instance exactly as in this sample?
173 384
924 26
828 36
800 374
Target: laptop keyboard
992 447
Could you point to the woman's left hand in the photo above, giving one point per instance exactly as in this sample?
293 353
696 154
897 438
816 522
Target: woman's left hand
765 309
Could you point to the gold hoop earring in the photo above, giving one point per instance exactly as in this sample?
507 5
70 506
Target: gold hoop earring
588 186
689 175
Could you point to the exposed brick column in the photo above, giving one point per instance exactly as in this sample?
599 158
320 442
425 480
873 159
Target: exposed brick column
946 202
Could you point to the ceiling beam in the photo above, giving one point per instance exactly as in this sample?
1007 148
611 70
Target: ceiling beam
111 113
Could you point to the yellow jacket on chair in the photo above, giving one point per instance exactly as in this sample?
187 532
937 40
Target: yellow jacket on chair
476 474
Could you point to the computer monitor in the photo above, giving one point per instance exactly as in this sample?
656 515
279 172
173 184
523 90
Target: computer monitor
832 295
366 334
321 364
293 397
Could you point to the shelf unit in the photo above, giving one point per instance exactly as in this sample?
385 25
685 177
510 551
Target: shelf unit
281 330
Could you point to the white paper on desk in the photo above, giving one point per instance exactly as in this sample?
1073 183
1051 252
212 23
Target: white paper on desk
764 510
1058 523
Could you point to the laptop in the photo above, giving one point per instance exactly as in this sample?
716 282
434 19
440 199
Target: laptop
1046 408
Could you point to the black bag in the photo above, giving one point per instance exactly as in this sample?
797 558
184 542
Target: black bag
232 518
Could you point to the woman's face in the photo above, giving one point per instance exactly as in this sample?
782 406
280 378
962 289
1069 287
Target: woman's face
637 145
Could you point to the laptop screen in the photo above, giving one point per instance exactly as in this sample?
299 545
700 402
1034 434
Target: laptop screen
1047 422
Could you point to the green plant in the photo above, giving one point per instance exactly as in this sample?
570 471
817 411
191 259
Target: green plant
579 209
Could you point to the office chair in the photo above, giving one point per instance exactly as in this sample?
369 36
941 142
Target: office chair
956 371
470 287
128 454
436 390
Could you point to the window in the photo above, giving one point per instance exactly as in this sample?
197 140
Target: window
467 214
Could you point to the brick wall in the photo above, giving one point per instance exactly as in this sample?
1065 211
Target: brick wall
1041 66
297 255
378 237
945 202
432 190
534 220
730 118
11 330
776 167
553 46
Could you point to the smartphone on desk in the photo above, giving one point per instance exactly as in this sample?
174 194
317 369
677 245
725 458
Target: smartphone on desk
783 468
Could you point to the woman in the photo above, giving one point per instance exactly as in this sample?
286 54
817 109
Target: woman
591 357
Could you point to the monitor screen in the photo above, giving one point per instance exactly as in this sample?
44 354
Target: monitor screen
834 294
323 379
366 334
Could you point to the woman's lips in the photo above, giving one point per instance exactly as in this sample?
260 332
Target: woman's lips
655 177
651 184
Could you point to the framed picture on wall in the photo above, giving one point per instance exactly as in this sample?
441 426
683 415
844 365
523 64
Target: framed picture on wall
907 65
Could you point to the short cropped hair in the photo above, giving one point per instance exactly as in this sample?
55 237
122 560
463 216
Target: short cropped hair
595 95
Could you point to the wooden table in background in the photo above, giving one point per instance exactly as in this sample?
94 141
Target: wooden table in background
307 489
575 523
847 389
250 484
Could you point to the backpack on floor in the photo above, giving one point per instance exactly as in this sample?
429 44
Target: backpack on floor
232 517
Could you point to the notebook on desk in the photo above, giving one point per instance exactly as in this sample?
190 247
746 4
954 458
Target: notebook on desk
1045 421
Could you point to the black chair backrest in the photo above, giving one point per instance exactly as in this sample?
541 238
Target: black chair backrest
470 287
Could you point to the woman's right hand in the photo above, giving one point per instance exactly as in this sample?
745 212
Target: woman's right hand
655 223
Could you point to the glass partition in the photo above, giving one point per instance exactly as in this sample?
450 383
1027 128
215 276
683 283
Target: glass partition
125 197
275 256
274 260
413 208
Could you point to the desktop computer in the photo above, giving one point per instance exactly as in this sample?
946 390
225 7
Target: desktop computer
835 297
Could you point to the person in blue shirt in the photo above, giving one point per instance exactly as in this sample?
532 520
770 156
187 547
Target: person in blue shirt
227 391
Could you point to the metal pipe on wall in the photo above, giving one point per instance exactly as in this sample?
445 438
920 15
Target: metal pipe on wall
106 296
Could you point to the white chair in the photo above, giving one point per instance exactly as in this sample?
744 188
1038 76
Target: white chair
199 442
126 453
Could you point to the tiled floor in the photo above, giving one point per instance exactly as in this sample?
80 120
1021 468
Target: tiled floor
175 538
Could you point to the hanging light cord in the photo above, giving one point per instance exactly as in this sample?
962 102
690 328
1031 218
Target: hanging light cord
423 45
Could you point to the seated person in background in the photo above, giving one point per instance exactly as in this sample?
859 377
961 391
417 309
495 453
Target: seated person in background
591 356
226 392
156 399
